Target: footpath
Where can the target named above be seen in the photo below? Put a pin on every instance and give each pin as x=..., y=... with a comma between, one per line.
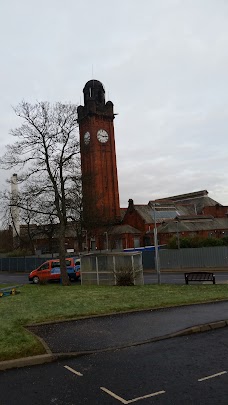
x=101, y=333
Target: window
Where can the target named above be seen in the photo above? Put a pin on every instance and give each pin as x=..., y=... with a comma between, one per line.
x=55, y=264
x=136, y=242
x=44, y=266
x=77, y=262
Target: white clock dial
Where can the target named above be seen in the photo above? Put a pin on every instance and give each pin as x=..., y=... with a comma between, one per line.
x=87, y=138
x=102, y=136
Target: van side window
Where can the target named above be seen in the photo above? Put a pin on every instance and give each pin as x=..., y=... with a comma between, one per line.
x=55, y=264
x=44, y=266
x=68, y=262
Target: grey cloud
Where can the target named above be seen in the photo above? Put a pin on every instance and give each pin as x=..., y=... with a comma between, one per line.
x=164, y=64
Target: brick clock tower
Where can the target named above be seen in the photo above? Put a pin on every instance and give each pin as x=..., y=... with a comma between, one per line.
x=98, y=158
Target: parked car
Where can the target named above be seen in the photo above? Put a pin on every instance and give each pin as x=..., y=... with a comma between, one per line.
x=50, y=270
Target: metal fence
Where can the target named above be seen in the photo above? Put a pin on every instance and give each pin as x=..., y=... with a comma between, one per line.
x=169, y=259
x=188, y=258
x=21, y=264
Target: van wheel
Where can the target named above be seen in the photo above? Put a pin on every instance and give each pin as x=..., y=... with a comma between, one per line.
x=36, y=280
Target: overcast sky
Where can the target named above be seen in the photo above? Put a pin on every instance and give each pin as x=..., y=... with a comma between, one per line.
x=164, y=65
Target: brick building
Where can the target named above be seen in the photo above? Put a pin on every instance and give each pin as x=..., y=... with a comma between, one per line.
x=106, y=225
x=193, y=214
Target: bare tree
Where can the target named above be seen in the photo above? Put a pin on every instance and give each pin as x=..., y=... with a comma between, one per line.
x=31, y=214
x=46, y=156
x=75, y=209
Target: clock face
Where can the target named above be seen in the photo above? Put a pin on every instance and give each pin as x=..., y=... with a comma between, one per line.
x=87, y=138
x=102, y=136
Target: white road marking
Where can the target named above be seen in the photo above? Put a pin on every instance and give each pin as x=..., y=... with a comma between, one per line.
x=124, y=401
x=146, y=396
x=212, y=376
x=73, y=371
x=114, y=395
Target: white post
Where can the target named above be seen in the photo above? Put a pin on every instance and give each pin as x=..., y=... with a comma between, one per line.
x=133, y=267
x=114, y=267
x=178, y=236
x=98, y=281
x=86, y=241
x=106, y=234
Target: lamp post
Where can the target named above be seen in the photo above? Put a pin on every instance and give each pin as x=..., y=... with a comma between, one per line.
x=178, y=236
x=157, y=262
x=86, y=239
x=106, y=234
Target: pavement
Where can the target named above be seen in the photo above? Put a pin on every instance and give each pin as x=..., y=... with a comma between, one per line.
x=102, y=333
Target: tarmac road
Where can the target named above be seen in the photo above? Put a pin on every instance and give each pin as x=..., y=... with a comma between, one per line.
x=114, y=331
x=179, y=371
x=149, y=278
x=15, y=278
x=183, y=370
x=178, y=278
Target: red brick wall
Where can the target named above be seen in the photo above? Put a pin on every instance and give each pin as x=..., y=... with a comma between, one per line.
x=132, y=218
x=99, y=170
x=216, y=211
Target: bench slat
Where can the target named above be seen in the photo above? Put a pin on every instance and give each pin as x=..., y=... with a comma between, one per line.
x=199, y=276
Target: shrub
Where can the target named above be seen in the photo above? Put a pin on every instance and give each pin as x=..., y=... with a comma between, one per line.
x=195, y=242
x=225, y=240
x=213, y=242
x=124, y=277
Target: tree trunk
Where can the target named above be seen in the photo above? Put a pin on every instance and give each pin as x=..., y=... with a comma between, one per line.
x=62, y=256
x=80, y=240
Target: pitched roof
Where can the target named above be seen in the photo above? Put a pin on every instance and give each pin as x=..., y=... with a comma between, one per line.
x=180, y=197
x=191, y=218
x=202, y=224
x=185, y=209
x=162, y=212
x=198, y=200
x=145, y=212
x=122, y=213
x=120, y=229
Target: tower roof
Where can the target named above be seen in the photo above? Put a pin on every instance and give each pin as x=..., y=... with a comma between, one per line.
x=94, y=90
x=93, y=83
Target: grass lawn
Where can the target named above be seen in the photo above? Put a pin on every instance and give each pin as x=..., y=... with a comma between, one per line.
x=38, y=303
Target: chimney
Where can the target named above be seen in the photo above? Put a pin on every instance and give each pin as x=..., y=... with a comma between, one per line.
x=131, y=205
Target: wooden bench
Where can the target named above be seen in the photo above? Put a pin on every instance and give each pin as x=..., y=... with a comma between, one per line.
x=199, y=276
x=11, y=290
